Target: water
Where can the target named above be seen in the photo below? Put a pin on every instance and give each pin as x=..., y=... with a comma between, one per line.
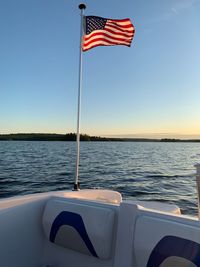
x=142, y=171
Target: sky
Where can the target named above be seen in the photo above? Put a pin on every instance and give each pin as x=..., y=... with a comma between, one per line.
x=151, y=89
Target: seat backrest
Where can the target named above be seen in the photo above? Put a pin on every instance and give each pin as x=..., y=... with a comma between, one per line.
x=166, y=240
x=82, y=227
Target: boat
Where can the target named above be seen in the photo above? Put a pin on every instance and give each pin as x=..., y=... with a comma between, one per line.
x=95, y=228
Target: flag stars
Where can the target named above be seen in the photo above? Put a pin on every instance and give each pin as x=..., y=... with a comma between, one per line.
x=102, y=31
x=94, y=23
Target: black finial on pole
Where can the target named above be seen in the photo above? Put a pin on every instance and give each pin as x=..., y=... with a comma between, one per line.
x=82, y=6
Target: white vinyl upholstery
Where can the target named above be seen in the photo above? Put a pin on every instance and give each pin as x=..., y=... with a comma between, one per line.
x=82, y=227
x=166, y=241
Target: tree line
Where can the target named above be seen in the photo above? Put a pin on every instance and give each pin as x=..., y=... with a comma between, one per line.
x=83, y=137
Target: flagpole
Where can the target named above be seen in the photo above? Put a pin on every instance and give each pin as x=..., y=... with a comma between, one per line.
x=76, y=182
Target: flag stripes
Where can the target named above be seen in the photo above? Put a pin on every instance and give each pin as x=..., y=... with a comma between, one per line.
x=101, y=31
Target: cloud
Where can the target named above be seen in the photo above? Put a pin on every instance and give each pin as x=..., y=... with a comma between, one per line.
x=174, y=10
x=181, y=5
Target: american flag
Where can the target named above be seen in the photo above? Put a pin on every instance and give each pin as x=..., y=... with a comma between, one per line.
x=101, y=31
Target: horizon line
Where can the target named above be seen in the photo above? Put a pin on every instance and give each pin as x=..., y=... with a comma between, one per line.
x=124, y=136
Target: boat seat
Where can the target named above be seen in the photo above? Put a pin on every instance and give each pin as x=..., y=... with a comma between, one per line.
x=83, y=227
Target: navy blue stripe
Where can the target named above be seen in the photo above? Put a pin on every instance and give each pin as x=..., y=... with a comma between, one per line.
x=76, y=221
x=170, y=246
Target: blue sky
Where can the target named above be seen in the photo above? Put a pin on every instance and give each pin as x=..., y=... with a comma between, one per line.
x=151, y=89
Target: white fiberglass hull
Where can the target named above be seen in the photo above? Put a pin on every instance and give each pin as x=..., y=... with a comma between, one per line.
x=95, y=228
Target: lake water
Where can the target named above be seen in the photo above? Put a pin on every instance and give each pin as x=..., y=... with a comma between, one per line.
x=142, y=171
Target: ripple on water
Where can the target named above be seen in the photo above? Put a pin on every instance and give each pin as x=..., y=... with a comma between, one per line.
x=142, y=171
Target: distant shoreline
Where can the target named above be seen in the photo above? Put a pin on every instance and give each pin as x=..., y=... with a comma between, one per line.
x=83, y=137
